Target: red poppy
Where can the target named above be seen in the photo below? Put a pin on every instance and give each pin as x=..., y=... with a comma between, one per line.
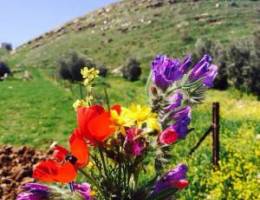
x=95, y=124
x=64, y=164
x=53, y=171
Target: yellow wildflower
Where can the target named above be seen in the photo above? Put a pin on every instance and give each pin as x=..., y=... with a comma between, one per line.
x=79, y=103
x=89, y=99
x=136, y=115
x=89, y=75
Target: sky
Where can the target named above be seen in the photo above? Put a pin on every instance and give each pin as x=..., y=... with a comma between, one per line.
x=22, y=20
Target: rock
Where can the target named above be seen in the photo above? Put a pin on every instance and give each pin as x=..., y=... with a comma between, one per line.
x=27, y=75
x=117, y=71
x=172, y=1
x=233, y=4
x=155, y=3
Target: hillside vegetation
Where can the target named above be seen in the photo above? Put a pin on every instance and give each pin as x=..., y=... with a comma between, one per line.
x=141, y=29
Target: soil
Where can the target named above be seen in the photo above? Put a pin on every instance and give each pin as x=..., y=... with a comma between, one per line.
x=16, y=165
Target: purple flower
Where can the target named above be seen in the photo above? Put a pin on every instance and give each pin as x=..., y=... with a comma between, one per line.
x=210, y=76
x=174, y=101
x=186, y=63
x=166, y=70
x=34, y=191
x=182, y=119
x=83, y=189
x=182, y=115
x=204, y=70
x=175, y=178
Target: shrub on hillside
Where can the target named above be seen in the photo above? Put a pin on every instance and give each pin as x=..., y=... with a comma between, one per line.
x=4, y=70
x=71, y=64
x=243, y=64
x=102, y=70
x=132, y=70
x=239, y=62
x=216, y=50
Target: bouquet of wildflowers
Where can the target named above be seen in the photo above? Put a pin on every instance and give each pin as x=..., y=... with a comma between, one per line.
x=112, y=148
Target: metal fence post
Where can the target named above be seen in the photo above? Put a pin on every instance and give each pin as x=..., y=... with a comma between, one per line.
x=215, y=134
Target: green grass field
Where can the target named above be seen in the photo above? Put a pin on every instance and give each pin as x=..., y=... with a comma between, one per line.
x=39, y=111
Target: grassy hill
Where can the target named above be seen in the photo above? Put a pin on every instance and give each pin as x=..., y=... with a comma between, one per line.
x=141, y=29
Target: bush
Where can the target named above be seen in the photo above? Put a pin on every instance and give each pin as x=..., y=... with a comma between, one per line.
x=6, y=46
x=216, y=50
x=4, y=70
x=132, y=70
x=71, y=64
x=243, y=64
x=239, y=62
x=102, y=70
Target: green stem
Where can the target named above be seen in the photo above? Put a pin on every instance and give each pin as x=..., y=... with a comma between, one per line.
x=107, y=99
x=148, y=82
x=103, y=162
x=80, y=91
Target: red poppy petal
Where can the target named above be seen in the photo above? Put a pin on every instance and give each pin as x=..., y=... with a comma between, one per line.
x=51, y=171
x=59, y=153
x=101, y=127
x=45, y=171
x=79, y=149
x=66, y=173
x=85, y=114
x=117, y=108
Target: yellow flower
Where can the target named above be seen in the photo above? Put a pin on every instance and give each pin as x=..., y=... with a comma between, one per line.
x=79, y=103
x=136, y=115
x=89, y=99
x=89, y=75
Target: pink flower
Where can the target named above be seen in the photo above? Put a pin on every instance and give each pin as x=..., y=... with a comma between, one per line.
x=134, y=143
x=168, y=136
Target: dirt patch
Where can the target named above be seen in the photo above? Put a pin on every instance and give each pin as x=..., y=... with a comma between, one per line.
x=16, y=164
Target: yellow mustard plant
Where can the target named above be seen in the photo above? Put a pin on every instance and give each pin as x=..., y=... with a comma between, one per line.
x=237, y=177
x=79, y=103
x=89, y=75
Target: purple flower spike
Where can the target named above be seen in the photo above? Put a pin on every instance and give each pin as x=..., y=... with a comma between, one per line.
x=166, y=70
x=183, y=114
x=35, y=186
x=204, y=70
x=83, y=189
x=186, y=63
x=34, y=191
x=182, y=119
x=210, y=76
x=175, y=101
x=175, y=178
